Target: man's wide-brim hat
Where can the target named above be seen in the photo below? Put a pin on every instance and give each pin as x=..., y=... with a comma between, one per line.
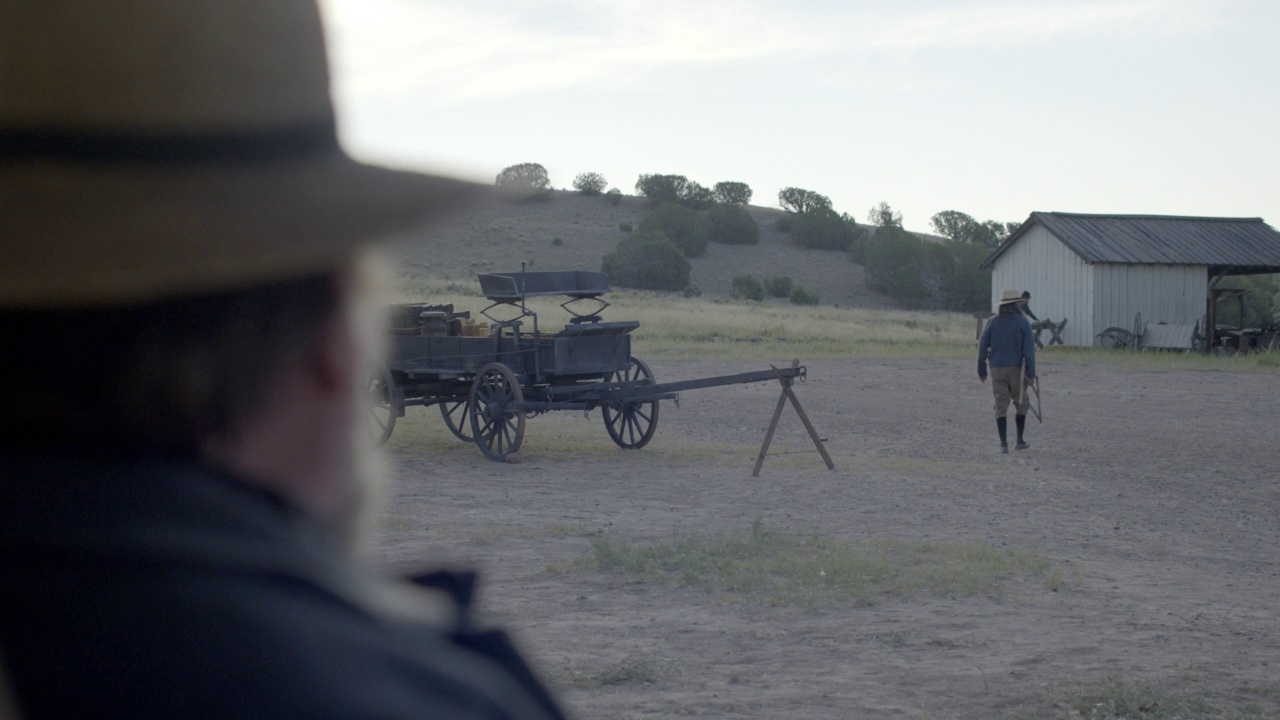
x=1009, y=296
x=152, y=148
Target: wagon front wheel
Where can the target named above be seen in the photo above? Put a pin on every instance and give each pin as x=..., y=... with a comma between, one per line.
x=631, y=423
x=497, y=422
x=382, y=406
x=456, y=414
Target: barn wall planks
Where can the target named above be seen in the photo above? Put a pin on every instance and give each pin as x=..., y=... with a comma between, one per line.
x=1173, y=294
x=1060, y=283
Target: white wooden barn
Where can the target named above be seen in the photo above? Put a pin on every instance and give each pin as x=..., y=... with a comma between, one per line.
x=1100, y=271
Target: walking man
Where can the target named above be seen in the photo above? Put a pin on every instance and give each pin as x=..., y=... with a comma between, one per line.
x=183, y=482
x=1026, y=306
x=1008, y=344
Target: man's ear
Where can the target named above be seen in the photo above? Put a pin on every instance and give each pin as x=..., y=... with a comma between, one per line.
x=334, y=359
x=351, y=339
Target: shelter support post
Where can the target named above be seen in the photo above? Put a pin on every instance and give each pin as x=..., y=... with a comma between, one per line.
x=789, y=395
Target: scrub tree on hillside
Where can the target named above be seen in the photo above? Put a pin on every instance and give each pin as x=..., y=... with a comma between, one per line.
x=674, y=189
x=883, y=216
x=895, y=265
x=732, y=193
x=525, y=181
x=661, y=188
x=648, y=261
x=698, y=197
x=590, y=183
x=962, y=227
x=821, y=228
x=682, y=225
x=916, y=271
x=731, y=224
x=800, y=201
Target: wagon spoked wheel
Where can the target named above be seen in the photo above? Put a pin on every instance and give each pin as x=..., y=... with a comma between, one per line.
x=455, y=414
x=497, y=422
x=631, y=423
x=382, y=409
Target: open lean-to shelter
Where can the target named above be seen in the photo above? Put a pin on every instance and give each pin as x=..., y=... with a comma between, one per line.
x=1102, y=271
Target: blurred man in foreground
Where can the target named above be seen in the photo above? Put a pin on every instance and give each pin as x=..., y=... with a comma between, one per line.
x=182, y=481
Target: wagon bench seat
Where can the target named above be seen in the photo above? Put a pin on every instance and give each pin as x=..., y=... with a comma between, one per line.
x=510, y=287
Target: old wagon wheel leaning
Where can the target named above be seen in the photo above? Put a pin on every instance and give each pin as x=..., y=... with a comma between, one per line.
x=456, y=417
x=382, y=406
x=631, y=423
x=497, y=421
x=1115, y=337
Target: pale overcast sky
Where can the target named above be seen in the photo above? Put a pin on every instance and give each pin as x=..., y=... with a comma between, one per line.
x=992, y=108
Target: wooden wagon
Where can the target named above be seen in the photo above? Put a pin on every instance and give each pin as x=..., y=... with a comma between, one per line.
x=488, y=376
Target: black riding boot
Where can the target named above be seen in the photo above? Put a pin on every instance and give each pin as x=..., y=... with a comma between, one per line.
x=1002, y=427
x=1021, y=422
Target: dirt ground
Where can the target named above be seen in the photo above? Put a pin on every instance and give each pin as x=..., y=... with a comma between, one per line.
x=1160, y=487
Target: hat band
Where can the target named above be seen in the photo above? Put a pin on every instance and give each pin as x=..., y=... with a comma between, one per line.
x=279, y=143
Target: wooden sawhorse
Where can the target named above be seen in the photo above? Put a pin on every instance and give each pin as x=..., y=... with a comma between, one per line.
x=788, y=394
x=1055, y=332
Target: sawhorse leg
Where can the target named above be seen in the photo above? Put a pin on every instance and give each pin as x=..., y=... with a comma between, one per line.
x=789, y=394
x=1056, y=332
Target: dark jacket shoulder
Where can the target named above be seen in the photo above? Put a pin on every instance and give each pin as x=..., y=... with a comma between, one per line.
x=158, y=588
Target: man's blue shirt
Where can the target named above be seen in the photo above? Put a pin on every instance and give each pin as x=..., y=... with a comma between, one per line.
x=1006, y=342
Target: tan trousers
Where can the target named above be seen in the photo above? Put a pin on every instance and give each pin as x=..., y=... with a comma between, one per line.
x=1006, y=384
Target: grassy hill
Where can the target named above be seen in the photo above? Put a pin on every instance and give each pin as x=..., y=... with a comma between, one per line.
x=498, y=237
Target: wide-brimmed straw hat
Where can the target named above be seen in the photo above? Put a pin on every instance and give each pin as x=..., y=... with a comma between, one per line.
x=152, y=148
x=1009, y=296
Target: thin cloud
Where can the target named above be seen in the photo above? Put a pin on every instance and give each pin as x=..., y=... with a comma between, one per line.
x=456, y=53
x=996, y=26
x=461, y=54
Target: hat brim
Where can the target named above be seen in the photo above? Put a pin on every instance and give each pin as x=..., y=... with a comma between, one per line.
x=86, y=234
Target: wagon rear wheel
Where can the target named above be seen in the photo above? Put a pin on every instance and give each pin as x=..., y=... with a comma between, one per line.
x=382, y=406
x=456, y=414
x=497, y=422
x=631, y=423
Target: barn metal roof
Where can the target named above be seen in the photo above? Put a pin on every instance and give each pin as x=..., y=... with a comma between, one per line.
x=1228, y=245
